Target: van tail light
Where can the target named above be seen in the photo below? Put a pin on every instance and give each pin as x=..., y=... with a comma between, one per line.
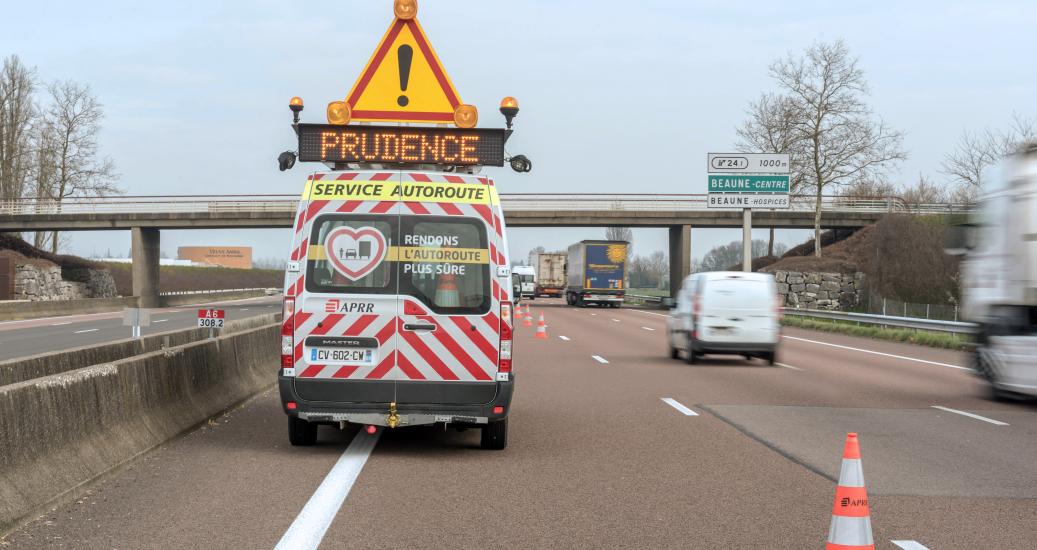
x=505, y=337
x=778, y=311
x=696, y=306
x=288, y=333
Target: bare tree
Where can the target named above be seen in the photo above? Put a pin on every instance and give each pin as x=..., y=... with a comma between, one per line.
x=771, y=128
x=975, y=152
x=68, y=160
x=923, y=192
x=831, y=125
x=17, y=113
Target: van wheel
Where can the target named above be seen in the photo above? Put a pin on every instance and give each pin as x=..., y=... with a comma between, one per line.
x=770, y=358
x=693, y=357
x=301, y=433
x=674, y=352
x=495, y=435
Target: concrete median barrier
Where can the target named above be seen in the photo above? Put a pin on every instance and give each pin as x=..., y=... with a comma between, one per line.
x=59, y=432
x=36, y=366
x=16, y=310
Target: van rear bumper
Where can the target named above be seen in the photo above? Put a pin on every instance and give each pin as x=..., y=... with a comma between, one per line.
x=702, y=346
x=424, y=405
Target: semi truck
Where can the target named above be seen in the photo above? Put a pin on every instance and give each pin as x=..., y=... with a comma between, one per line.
x=595, y=273
x=999, y=277
x=550, y=273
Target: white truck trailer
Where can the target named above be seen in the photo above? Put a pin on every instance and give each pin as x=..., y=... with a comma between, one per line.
x=550, y=273
x=999, y=277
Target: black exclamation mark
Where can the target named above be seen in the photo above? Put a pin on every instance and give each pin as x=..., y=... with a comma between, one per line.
x=404, y=54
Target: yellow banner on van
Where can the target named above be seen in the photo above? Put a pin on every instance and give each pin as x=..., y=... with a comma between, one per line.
x=417, y=254
x=332, y=190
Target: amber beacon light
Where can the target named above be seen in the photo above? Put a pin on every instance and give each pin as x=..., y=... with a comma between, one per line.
x=509, y=108
x=405, y=9
x=295, y=104
x=339, y=113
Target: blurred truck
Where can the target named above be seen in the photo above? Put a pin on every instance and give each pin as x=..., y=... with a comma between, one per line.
x=550, y=273
x=999, y=277
x=595, y=271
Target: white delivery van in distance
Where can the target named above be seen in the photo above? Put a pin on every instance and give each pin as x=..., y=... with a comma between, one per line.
x=397, y=308
x=524, y=277
x=725, y=312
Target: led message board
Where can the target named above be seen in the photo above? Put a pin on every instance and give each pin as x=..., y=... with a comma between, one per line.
x=401, y=145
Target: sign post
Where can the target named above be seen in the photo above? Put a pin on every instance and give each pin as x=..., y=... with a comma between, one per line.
x=747, y=181
x=135, y=318
x=211, y=319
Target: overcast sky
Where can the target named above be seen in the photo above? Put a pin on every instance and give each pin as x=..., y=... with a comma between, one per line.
x=615, y=96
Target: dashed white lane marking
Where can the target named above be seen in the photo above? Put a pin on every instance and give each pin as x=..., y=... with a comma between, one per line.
x=312, y=522
x=909, y=545
x=600, y=359
x=677, y=405
x=87, y=330
x=594, y=314
x=59, y=324
x=566, y=338
x=160, y=320
x=244, y=309
x=616, y=320
x=788, y=366
x=879, y=353
x=971, y=415
x=648, y=328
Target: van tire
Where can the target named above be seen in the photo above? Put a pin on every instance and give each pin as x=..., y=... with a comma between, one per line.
x=674, y=353
x=771, y=358
x=301, y=433
x=495, y=436
x=693, y=357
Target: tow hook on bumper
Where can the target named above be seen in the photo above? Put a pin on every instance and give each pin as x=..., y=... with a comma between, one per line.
x=393, y=419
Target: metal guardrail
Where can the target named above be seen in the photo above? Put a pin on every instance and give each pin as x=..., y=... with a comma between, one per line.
x=646, y=299
x=510, y=201
x=221, y=291
x=955, y=327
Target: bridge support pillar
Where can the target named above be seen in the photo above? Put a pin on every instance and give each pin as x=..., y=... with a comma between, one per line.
x=680, y=256
x=146, y=250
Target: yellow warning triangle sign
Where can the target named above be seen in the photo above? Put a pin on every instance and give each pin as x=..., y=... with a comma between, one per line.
x=404, y=80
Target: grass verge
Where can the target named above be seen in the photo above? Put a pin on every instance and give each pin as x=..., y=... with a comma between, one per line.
x=921, y=337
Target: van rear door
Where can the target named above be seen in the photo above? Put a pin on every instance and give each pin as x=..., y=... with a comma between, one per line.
x=449, y=328
x=737, y=309
x=346, y=315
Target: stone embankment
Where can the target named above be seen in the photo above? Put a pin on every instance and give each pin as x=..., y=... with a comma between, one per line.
x=835, y=291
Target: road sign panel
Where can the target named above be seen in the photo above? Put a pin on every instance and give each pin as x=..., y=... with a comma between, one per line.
x=211, y=318
x=748, y=183
x=747, y=163
x=404, y=80
x=739, y=200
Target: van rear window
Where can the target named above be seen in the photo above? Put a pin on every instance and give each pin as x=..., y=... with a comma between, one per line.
x=736, y=293
x=441, y=260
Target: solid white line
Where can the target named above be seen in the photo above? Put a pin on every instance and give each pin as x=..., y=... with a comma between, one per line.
x=788, y=366
x=909, y=545
x=649, y=312
x=87, y=330
x=648, y=328
x=971, y=415
x=59, y=324
x=880, y=353
x=312, y=522
x=600, y=359
x=566, y=338
x=675, y=404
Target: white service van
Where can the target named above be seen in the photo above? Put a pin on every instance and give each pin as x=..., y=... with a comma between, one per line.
x=525, y=283
x=397, y=308
x=725, y=312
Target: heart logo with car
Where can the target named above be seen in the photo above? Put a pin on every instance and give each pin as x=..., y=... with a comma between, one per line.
x=355, y=252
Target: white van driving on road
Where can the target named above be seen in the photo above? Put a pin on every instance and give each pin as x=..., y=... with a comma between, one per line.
x=725, y=312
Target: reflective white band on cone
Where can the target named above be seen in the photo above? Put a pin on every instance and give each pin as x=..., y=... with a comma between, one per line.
x=851, y=474
x=850, y=532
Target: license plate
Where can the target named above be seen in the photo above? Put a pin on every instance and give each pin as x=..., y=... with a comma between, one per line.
x=363, y=356
x=722, y=331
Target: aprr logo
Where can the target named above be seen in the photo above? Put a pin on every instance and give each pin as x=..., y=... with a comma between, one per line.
x=331, y=306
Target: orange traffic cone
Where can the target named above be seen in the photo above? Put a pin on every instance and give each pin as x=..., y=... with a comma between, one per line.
x=851, y=518
x=528, y=319
x=446, y=291
x=518, y=312
x=541, y=328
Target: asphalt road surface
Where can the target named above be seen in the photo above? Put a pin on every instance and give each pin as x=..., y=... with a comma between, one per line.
x=34, y=336
x=742, y=455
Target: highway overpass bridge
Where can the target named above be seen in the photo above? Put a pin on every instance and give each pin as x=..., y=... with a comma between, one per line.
x=146, y=216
